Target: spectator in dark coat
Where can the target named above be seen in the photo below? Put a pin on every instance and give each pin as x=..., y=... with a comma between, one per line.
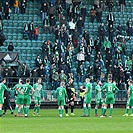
x=99, y=14
x=110, y=4
x=86, y=36
x=75, y=37
x=44, y=10
x=110, y=19
x=101, y=32
x=52, y=22
x=10, y=47
x=92, y=14
x=80, y=25
x=111, y=31
x=83, y=12
x=122, y=5
x=6, y=11
x=115, y=73
x=41, y=71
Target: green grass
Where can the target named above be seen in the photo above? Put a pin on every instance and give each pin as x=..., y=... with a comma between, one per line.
x=50, y=122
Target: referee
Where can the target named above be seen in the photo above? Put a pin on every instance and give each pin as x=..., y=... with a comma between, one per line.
x=71, y=96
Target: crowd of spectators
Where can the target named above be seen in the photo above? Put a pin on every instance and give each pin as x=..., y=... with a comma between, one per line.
x=75, y=52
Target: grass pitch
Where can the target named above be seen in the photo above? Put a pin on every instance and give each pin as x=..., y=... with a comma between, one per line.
x=49, y=122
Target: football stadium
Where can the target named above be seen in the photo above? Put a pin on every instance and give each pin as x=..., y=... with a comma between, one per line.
x=66, y=66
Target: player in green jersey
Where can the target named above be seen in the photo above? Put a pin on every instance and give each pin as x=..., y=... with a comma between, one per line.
x=37, y=96
x=98, y=97
x=19, y=98
x=88, y=96
x=2, y=88
x=61, y=94
x=26, y=89
x=110, y=90
x=130, y=98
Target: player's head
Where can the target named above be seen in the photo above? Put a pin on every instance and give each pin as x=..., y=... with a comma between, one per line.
x=110, y=80
x=39, y=80
x=27, y=80
x=62, y=84
x=70, y=80
x=99, y=82
x=130, y=82
x=3, y=80
x=21, y=81
x=87, y=80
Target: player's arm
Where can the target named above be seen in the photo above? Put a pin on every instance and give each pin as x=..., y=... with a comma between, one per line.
x=128, y=92
x=116, y=89
x=14, y=88
x=86, y=90
x=6, y=88
x=103, y=88
x=66, y=94
x=42, y=93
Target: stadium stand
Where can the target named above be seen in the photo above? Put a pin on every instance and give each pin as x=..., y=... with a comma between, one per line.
x=29, y=49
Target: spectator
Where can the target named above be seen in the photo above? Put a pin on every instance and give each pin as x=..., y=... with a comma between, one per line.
x=80, y=25
x=130, y=31
x=36, y=33
x=16, y=6
x=91, y=43
x=38, y=61
x=6, y=11
x=86, y=36
x=31, y=30
x=111, y=31
x=55, y=79
x=115, y=73
x=129, y=23
x=103, y=4
x=10, y=47
x=101, y=32
x=99, y=14
x=26, y=31
x=60, y=11
x=52, y=22
x=90, y=72
x=62, y=76
x=96, y=3
x=110, y=4
x=46, y=25
x=44, y=48
x=82, y=40
x=1, y=25
x=83, y=12
x=63, y=21
x=119, y=29
x=108, y=59
x=107, y=45
x=51, y=10
x=92, y=14
x=97, y=45
x=80, y=72
x=44, y=10
x=122, y=5
x=75, y=37
x=70, y=12
x=41, y=71
x=23, y=6
x=110, y=19
x=72, y=26
x=1, y=12
x=23, y=70
x=47, y=72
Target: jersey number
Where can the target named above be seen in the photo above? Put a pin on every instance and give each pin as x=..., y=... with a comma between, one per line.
x=110, y=88
x=60, y=92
